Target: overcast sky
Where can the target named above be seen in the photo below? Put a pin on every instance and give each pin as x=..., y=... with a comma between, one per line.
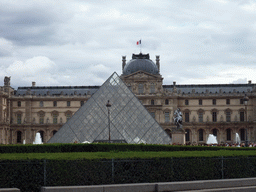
x=76, y=43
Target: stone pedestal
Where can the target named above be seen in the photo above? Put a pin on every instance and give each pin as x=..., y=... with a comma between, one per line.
x=178, y=137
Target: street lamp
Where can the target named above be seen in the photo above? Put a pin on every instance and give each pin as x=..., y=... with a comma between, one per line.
x=246, y=99
x=108, y=106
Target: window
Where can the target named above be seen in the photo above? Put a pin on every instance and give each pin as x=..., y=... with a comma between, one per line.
x=42, y=135
x=214, y=116
x=81, y=103
x=19, y=118
x=214, y=101
x=152, y=88
x=41, y=118
x=201, y=134
x=214, y=132
x=55, y=118
x=54, y=103
x=68, y=103
x=241, y=101
x=141, y=88
x=152, y=102
x=228, y=101
x=68, y=116
x=167, y=117
x=200, y=102
x=228, y=116
x=186, y=102
x=242, y=134
x=19, y=136
x=41, y=103
x=228, y=134
x=187, y=131
x=152, y=114
x=166, y=101
x=19, y=104
x=200, y=116
x=54, y=132
x=241, y=116
x=187, y=117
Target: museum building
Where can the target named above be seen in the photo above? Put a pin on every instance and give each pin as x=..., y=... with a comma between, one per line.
x=223, y=110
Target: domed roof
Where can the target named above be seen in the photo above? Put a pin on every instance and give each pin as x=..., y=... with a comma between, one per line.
x=140, y=62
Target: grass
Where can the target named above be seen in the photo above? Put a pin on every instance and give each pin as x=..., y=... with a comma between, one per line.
x=123, y=155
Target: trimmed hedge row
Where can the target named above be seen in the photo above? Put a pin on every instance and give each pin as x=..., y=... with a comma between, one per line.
x=31, y=175
x=106, y=147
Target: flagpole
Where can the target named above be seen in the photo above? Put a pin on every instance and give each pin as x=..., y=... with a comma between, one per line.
x=140, y=46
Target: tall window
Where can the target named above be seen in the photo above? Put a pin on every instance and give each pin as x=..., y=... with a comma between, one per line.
x=228, y=116
x=81, y=103
x=167, y=117
x=152, y=88
x=166, y=101
x=19, y=118
x=241, y=101
x=19, y=104
x=68, y=116
x=68, y=103
x=242, y=134
x=186, y=116
x=187, y=131
x=241, y=116
x=214, y=101
x=214, y=132
x=228, y=134
x=141, y=88
x=214, y=116
x=55, y=118
x=228, y=101
x=200, y=117
x=201, y=134
x=41, y=103
x=200, y=102
x=152, y=102
x=19, y=136
x=41, y=118
x=186, y=102
x=54, y=103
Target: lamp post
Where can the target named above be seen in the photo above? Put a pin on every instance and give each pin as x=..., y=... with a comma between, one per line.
x=108, y=107
x=246, y=99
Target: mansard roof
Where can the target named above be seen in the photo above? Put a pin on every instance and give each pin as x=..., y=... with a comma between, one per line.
x=212, y=88
x=58, y=90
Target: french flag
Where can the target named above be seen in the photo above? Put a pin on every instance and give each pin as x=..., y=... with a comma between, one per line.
x=139, y=42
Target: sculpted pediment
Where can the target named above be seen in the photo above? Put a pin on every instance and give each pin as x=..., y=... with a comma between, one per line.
x=142, y=75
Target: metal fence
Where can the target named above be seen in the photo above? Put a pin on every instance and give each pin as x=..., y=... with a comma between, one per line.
x=30, y=175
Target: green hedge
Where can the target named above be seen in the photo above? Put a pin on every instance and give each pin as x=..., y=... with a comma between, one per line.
x=105, y=147
x=31, y=175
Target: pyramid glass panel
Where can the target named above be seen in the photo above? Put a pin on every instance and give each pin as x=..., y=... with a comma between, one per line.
x=126, y=120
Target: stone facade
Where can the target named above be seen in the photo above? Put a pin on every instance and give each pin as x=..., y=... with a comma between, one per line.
x=207, y=109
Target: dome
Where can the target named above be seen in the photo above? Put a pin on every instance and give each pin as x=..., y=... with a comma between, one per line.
x=140, y=62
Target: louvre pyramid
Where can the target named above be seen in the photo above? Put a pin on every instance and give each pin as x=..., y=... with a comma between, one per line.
x=130, y=121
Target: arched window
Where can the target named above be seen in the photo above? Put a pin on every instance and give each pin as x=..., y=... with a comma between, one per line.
x=152, y=102
x=214, y=132
x=242, y=134
x=201, y=134
x=53, y=132
x=19, y=136
x=42, y=135
x=228, y=134
x=166, y=101
x=187, y=135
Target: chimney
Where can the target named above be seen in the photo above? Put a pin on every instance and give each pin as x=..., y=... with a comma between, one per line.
x=158, y=63
x=33, y=83
x=249, y=82
x=124, y=63
x=174, y=83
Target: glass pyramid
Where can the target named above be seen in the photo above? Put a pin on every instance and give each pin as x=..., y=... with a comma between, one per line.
x=128, y=121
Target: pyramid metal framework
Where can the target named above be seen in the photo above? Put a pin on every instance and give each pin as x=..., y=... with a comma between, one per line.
x=130, y=121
